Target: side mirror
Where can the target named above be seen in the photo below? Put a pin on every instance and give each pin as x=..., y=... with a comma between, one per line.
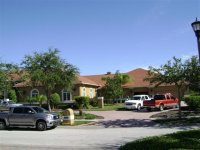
x=30, y=112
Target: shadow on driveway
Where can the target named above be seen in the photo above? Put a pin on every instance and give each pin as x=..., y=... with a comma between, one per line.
x=127, y=123
x=140, y=123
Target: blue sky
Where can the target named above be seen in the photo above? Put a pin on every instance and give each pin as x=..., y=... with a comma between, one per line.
x=99, y=36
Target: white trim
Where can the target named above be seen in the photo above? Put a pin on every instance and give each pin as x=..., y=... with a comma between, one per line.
x=66, y=92
x=34, y=90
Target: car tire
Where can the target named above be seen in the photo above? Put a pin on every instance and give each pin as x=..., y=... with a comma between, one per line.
x=41, y=126
x=161, y=107
x=148, y=109
x=139, y=107
x=2, y=125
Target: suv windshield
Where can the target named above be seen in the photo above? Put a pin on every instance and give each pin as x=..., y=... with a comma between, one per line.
x=136, y=97
x=40, y=110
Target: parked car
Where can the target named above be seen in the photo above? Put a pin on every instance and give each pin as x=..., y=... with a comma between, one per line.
x=136, y=102
x=7, y=104
x=162, y=101
x=29, y=116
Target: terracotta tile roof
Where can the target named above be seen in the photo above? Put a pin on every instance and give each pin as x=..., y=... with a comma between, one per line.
x=79, y=80
x=22, y=84
x=98, y=78
x=84, y=80
x=137, y=78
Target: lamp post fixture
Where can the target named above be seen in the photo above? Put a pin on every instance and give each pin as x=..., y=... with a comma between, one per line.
x=196, y=28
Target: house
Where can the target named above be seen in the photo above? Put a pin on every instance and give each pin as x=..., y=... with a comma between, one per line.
x=137, y=85
x=92, y=86
x=82, y=87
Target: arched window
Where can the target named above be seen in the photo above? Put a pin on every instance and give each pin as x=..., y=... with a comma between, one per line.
x=34, y=93
x=84, y=91
x=91, y=93
x=66, y=96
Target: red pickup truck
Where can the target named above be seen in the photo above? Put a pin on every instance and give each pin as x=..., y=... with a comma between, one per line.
x=161, y=101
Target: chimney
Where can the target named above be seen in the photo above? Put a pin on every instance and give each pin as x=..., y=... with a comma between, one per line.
x=108, y=73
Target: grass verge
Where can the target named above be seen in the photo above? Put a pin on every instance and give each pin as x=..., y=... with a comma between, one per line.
x=76, y=123
x=179, y=140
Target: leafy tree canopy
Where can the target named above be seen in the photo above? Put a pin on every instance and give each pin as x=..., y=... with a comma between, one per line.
x=50, y=71
x=6, y=78
x=181, y=74
x=113, y=86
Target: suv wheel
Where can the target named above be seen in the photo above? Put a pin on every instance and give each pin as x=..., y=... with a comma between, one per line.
x=161, y=107
x=41, y=126
x=139, y=107
x=148, y=109
x=2, y=125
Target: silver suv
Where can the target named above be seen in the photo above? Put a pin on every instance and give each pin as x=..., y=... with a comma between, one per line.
x=29, y=116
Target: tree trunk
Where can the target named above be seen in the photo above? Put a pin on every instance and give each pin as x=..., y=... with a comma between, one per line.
x=48, y=100
x=80, y=112
x=179, y=102
x=48, y=104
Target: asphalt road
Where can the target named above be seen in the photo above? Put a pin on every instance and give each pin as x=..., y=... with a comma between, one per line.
x=77, y=138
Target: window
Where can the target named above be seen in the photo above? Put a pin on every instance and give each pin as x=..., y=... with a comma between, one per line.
x=28, y=111
x=84, y=91
x=18, y=110
x=66, y=96
x=34, y=93
x=159, y=97
x=168, y=97
x=40, y=110
x=91, y=93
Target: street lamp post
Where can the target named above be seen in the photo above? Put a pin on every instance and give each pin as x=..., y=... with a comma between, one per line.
x=196, y=28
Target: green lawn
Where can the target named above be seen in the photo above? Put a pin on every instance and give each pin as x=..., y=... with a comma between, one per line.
x=179, y=140
x=107, y=107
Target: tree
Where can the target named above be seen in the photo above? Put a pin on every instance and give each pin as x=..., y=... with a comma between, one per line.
x=50, y=71
x=113, y=87
x=173, y=73
x=55, y=99
x=6, y=78
x=193, y=74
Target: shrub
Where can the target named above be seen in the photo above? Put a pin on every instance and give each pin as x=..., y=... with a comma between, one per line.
x=94, y=102
x=12, y=95
x=41, y=99
x=55, y=99
x=193, y=102
x=82, y=101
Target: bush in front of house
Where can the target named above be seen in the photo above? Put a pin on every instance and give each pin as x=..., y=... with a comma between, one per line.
x=193, y=102
x=12, y=95
x=82, y=102
x=94, y=102
x=55, y=99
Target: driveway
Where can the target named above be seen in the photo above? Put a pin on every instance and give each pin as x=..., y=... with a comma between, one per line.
x=132, y=118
